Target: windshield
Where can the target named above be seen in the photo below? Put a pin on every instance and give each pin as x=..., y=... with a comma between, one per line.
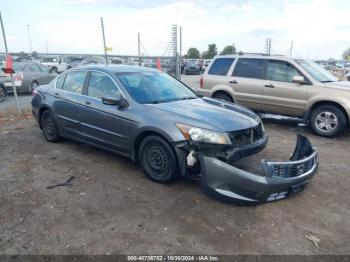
x=154, y=87
x=316, y=71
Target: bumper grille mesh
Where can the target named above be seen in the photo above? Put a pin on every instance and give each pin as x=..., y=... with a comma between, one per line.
x=246, y=136
x=292, y=170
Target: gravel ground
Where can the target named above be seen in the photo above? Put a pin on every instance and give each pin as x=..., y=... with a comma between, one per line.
x=113, y=208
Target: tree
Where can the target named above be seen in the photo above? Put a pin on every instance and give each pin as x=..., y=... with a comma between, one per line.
x=228, y=50
x=211, y=52
x=346, y=54
x=192, y=53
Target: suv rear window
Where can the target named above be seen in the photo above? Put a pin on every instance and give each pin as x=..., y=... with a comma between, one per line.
x=220, y=66
x=249, y=68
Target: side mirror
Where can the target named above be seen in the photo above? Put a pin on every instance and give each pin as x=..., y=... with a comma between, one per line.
x=298, y=79
x=116, y=100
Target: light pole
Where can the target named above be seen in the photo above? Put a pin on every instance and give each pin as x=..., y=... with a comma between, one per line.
x=29, y=39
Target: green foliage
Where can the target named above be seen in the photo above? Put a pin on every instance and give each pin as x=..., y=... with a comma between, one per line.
x=192, y=53
x=346, y=54
x=230, y=49
x=211, y=52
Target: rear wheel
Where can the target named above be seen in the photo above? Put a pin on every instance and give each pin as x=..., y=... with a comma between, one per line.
x=49, y=127
x=223, y=96
x=328, y=121
x=33, y=85
x=2, y=94
x=158, y=160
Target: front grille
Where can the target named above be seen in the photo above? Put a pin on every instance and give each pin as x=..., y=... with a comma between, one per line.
x=246, y=136
x=289, y=170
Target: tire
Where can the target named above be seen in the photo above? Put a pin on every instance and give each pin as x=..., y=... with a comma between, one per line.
x=328, y=121
x=54, y=70
x=33, y=85
x=3, y=93
x=158, y=160
x=49, y=127
x=223, y=96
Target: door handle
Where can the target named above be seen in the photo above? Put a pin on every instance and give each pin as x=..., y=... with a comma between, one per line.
x=233, y=82
x=270, y=86
x=87, y=102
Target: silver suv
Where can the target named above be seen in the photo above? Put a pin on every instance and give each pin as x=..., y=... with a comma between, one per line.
x=281, y=85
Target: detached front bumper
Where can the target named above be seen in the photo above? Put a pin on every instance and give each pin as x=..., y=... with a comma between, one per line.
x=228, y=183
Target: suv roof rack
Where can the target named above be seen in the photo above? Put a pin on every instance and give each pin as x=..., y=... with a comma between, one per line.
x=262, y=54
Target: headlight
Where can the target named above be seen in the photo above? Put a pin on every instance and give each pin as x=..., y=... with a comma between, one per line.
x=203, y=135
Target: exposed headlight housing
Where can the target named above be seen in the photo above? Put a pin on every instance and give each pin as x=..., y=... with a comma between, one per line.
x=203, y=135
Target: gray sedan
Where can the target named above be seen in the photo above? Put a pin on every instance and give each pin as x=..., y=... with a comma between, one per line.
x=27, y=77
x=164, y=126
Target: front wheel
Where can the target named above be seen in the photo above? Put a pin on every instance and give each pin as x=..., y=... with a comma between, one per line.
x=328, y=121
x=49, y=127
x=158, y=160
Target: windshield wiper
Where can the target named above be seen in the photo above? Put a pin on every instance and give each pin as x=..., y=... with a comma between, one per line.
x=328, y=81
x=188, y=97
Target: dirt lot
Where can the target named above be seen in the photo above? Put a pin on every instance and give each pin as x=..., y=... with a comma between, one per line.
x=112, y=208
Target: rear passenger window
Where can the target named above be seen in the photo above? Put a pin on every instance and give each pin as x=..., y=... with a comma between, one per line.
x=60, y=81
x=249, y=68
x=74, y=82
x=220, y=66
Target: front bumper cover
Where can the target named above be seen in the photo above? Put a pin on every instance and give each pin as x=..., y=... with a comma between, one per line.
x=228, y=183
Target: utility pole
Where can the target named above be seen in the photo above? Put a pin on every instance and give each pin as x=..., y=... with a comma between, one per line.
x=12, y=79
x=29, y=39
x=139, y=47
x=180, y=55
x=291, y=49
x=104, y=41
x=174, y=47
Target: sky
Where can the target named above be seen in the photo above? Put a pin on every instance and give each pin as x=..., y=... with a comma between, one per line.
x=319, y=29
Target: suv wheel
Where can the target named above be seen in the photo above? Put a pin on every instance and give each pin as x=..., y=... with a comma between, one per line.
x=49, y=127
x=328, y=121
x=223, y=96
x=158, y=160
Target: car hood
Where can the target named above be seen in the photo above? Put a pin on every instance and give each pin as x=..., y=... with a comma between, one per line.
x=343, y=85
x=209, y=113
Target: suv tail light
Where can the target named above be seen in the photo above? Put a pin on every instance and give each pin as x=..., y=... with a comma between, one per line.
x=201, y=82
x=18, y=76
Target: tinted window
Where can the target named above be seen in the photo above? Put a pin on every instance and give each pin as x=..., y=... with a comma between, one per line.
x=32, y=68
x=60, y=81
x=249, y=68
x=100, y=85
x=281, y=71
x=220, y=66
x=74, y=82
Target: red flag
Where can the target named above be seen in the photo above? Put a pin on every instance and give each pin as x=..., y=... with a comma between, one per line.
x=158, y=64
x=8, y=68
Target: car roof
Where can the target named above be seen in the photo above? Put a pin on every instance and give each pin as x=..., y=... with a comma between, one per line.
x=119, y=68
x=256, y=55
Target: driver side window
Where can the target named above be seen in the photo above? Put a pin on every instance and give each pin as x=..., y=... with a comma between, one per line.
x=281, y=71
x=100, y=85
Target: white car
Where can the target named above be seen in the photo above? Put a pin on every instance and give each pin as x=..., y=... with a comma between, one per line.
x=56, y=64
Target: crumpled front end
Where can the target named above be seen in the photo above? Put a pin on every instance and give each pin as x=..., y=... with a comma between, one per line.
x=228, y=183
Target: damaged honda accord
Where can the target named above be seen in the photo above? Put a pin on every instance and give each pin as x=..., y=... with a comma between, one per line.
x=164, y=126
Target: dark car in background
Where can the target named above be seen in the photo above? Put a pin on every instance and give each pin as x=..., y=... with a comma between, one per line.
x=27, y=76
x=164, y=126
x=192, y=68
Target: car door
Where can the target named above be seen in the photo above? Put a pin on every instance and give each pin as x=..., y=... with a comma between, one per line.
x=247, y=82
x=217, y=73
x=105, y=125
x=45, y=75
x=281, y=95
x=39, y=74
x=69, y=102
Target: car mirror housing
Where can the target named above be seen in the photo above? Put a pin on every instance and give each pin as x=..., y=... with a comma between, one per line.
x=298, y=79
x=117, y=100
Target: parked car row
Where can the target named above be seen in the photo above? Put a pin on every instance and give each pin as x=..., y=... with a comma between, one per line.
x=281, y=85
